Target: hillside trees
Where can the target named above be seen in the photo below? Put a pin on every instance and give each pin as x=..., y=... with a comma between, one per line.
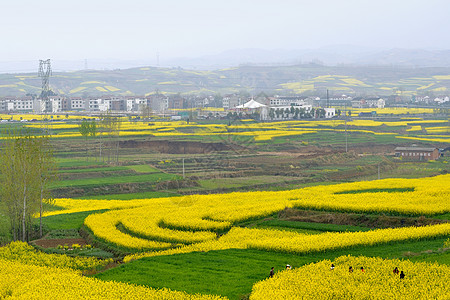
x=27, y=167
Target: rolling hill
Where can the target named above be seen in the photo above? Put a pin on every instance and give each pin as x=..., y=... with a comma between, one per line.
x=306, y=79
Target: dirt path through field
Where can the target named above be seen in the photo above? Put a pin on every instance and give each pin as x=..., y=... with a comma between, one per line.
x=53, y=243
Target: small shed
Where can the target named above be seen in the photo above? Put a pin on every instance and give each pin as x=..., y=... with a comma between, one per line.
x=417, y=153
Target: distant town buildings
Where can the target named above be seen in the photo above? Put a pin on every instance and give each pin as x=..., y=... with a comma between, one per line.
x=441, y=100
x=361, y=102
x=276, y=107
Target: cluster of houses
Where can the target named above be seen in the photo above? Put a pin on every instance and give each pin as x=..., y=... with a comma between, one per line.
x=159, y=103
x=431, y=100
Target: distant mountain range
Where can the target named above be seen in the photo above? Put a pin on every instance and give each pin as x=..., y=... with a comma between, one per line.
x=330, y=56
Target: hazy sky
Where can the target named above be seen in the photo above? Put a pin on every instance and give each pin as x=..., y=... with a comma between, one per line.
x=134, y=29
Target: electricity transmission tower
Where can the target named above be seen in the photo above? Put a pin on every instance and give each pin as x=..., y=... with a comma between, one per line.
x=45, y=70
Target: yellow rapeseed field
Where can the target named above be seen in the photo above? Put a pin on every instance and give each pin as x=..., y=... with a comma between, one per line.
x=256, y=131
x=22, y=281
x=292, y=242
x=23, y=253
x=378, y=281
x=193, y=220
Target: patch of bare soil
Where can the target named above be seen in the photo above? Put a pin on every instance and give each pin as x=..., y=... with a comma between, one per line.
x=309, y=151
x=179, y=147
x=371, y=221
x=54, y=243
x=374, y=149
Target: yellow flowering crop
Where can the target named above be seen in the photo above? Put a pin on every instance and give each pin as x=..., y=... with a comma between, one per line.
x=194, y=216
x=444, y=129
x=292, y=242
x=20, y=281
x=166, y=222
x=26, y=254
x=394, y=110
x=258, y=131
x=431, y=139
x=429, y=196
x=18, y=117
x=378, y=281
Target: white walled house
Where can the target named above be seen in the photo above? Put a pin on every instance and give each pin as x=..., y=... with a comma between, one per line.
x=368, y=102
x=99, y=104
x=78, y=104
x=55, y=105
x=441, y=100
x=330, y=112
x=286, y=101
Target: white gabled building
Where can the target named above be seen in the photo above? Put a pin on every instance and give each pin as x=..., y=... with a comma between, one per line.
x=330, y=112
x=441, y=100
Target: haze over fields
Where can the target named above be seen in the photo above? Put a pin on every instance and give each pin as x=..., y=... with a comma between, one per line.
x=202, y=34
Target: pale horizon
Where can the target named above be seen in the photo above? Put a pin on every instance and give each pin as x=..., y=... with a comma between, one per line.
x=139, y=30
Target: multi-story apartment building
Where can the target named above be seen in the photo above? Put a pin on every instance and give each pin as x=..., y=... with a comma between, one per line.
x=77, y=104
x=158, y=103
x=361, y=102
x=287, y=101
x=17, y=104
x=231, y=101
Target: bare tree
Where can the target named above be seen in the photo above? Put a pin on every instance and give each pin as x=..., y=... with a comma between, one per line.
x=46, y=173
x=26, y=164
x=111, y=127
x=83, y=128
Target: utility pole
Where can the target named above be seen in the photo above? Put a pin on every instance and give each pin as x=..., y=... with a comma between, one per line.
x=345, y=116
x=183, y=169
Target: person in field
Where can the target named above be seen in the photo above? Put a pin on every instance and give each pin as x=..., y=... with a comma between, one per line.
x=350, y=269
x=271, y=272
x=396, y=271
x=402, y=275
x=362, y=270
x=288, y=267
x=332, y=267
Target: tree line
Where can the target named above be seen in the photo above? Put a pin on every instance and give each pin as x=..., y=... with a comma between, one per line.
x=27, y=167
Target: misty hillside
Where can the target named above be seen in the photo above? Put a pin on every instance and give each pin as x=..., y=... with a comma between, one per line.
x=331, y=56
x=306, y=79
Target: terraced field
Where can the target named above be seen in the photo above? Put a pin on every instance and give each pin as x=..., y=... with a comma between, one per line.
x=299, y=79
x=209, y=221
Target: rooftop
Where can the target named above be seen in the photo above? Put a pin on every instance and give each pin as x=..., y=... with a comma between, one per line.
x=415, y=149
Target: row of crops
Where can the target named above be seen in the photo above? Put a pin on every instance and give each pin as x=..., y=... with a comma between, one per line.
x=417, y=129
x=202, y=223
x=170, y=222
